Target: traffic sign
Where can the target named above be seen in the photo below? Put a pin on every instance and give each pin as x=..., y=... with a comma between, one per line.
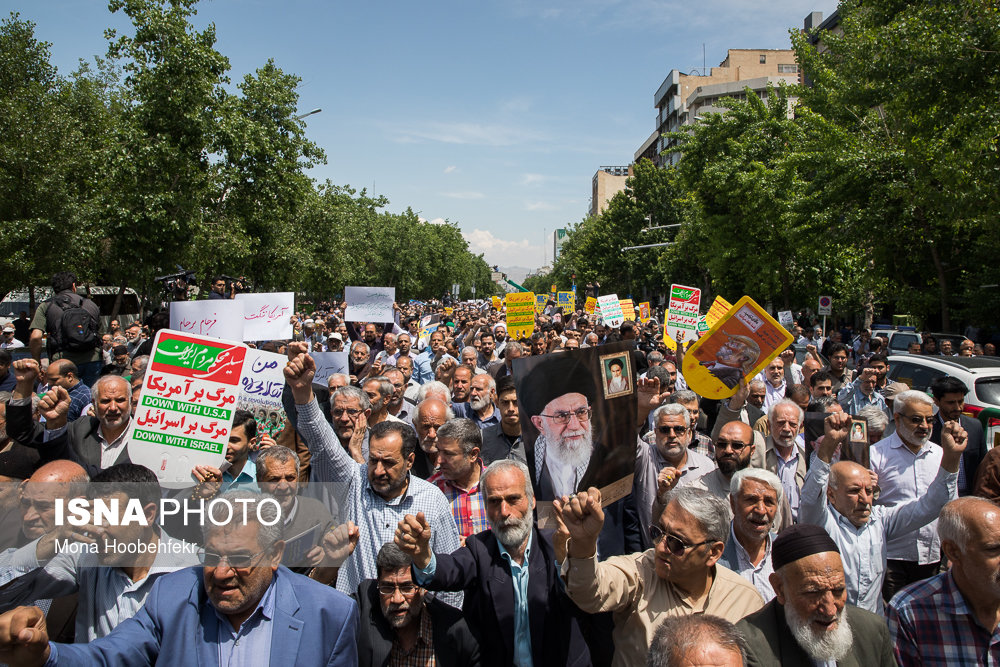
x=825, y=305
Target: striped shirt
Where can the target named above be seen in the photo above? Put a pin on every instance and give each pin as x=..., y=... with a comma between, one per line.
x=932, y=624
x=467, y=506
x=107, y=596
x=375, y=516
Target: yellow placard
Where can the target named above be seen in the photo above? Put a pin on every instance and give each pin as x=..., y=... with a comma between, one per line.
x=497, y=303
x=520, y=314
x=628, y=309
x=449, y=311
x=719, y=308
x=740, y=345
x=644, y=311
x=589, y=305
x=567, y=300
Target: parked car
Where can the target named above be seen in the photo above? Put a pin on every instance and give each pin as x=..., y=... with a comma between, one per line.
x=899, y=339
x=980, y=374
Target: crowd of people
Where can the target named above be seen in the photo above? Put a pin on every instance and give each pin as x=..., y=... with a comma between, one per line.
x=820, y=515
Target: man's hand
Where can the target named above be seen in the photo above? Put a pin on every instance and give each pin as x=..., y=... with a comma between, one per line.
x=583, y=517
x=358, y=439
x=666, y=481
x=739, y=399
x=338, y=543
x=377, y=368
x=54, y=406
x=265, y=441
x=649, y=396
x=788, y=357
x=26, y=372
x=209, y=482
x=299, y=373
x=295, y=348
x=24, y=639
x=413, y=536
x=954, y=439
x=836, y=429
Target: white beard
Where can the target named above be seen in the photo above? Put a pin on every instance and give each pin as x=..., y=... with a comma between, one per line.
x=831, y=645
x=573, y=453
x=480, y=404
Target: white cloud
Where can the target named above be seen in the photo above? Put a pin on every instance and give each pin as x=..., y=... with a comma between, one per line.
x=478, y=134
x=435, y=221
x=533, y=179
x=500, y=251
x=540, y=206
x=463, y=195
x=450, y=168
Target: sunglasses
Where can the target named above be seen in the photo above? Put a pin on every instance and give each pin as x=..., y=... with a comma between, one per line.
x=389, y=589
x=735, y=446
x=667, y=430
x=235, y=561
x=675, y=545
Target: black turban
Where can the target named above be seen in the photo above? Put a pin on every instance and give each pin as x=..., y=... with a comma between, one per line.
x=799, y=541
x=557, y=374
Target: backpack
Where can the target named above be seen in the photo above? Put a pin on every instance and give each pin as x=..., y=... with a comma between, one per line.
x=72, y=326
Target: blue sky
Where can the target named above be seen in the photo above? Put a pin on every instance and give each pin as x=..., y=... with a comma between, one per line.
x=491, y=114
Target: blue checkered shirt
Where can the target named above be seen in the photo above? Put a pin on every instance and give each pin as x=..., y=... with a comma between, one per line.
x=375, y=517
x=932, y=624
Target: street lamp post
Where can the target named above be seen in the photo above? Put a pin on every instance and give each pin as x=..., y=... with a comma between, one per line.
x=308, y=113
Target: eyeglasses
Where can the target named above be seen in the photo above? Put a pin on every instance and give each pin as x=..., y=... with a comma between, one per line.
x=735, y=446
x=339, y=412
x=388, y=589
x=235, y=561
x=562, y=418
x=675, y=545
x=917, y=420
x=667, y=430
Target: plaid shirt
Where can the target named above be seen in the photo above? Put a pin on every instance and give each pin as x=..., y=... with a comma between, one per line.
x=468, y=507
x=932, y=624
x=422, y=653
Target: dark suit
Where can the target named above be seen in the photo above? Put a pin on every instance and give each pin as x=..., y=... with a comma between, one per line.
x=484, y=575
x=80, y=442
x=975, y=450
x=770, y=641
x=454, y=644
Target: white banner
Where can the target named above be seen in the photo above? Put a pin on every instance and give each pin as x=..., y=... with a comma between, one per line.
x=218, y=318
x=611, y=310
x=369, y=304
x=267, y=316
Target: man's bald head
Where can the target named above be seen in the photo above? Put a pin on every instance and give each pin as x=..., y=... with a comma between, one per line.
x=737, y=429
x=60, y=471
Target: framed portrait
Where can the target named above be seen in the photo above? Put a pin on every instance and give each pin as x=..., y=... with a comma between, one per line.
x=616, y=375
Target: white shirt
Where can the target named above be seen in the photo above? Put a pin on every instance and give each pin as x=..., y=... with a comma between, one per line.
x=903, y=476
x=110, y=450
x=758, y=575
x=772, y=394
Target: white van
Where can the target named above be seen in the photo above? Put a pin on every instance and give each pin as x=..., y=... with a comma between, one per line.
x=104, y=296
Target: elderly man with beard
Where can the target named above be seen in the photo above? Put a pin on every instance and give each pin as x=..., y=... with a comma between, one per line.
x=401, y=624
x=379, y=391
x=95, y=443
x=482, y=394
x=663, y=460
x=677, y=577
x=839, y=498
x=514, y=602
x=429, y=415
x=906, y=464
x=783, y=454
x=809, y=622
x=755, y=496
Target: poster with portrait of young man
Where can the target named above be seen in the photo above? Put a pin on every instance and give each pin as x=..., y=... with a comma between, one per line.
x=576, y=432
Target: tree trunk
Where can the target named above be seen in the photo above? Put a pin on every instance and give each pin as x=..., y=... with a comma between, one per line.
x=869, y=302
x=118, y=301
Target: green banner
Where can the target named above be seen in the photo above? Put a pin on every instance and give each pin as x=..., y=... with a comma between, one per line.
x=186, y=354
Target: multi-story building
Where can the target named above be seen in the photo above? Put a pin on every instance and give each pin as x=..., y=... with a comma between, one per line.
x=740, y=67
x=607, y=182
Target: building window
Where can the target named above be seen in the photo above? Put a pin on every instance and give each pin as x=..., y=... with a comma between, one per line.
x=788, y=69
x=763, y=59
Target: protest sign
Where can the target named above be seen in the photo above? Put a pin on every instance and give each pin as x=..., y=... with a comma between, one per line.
x=786, y=319
x=590, y=305
x=628, y=309
x=267, y=316
x=740, y=345
x=497, y=304
x=702, y=326
x=218, y=318
x=644, y=311
x=520, y=314
x=611, y=310
x=601, y=379
x=540, y=301
x=682, y=312
x=186, y=406
x=719, y=308
x=369, y=304
x=260, y=390
x=329, y=363
x=568, y=301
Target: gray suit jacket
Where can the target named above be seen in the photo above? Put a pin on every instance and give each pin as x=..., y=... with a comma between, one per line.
x=771, y=643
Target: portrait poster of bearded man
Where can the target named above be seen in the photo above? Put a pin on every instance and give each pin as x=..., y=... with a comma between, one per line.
x=575, y=436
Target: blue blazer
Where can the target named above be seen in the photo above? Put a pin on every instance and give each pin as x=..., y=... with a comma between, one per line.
x=313, y=625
